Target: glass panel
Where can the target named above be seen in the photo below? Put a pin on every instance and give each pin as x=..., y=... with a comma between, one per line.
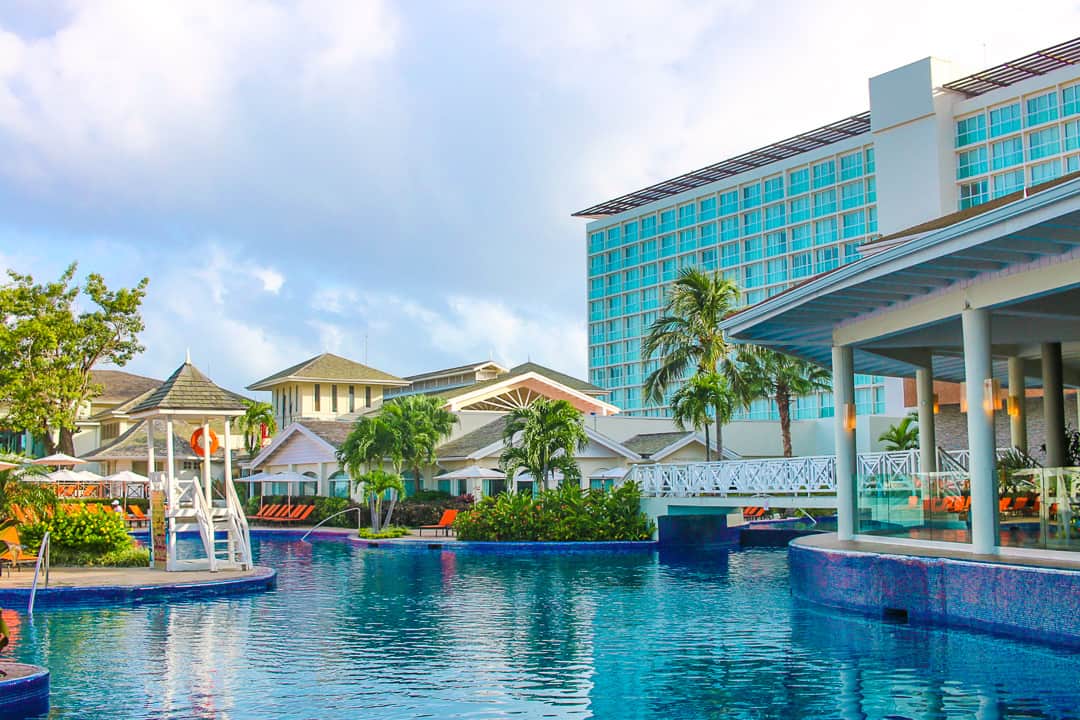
x=921, y=506
x=1040, y=508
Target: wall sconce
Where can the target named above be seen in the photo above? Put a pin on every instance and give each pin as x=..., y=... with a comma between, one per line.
x=1014, y=406
x=991, y=395
x=963, y=397
x=937, y=405
x=849, y=416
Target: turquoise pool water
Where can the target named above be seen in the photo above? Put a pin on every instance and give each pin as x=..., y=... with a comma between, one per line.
x=387, y=633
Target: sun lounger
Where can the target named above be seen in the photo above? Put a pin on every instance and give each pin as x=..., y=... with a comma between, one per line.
x=15, y=553
x=445, y=523
x=291, y=512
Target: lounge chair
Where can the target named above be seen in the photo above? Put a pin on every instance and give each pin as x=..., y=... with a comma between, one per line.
x=136, y=516
x=445, y=523
x=293, y=513
x=15, y=553
x=267, y=511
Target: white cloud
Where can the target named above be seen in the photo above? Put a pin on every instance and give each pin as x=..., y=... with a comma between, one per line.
x=271, y=279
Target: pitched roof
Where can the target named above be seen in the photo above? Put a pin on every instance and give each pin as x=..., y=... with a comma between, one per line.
x=647, y=444
x=123, y=408
x=332, y=431
x=453, y=370
x=117, y=385
x=328, y=367
x=189, y=389
x=525, y=368
x=131, y=445
x=470, y=442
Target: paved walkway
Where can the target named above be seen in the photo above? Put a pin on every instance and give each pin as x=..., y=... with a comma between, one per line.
x=121, y=577
x=414, y=534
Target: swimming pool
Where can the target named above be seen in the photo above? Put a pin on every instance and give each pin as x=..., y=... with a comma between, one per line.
x=402, y=633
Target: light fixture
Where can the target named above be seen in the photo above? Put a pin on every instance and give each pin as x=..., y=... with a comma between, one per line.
x=991, y=395
x=1014, y=406
x=963, y=397
x=849, y=416
x=937, y=405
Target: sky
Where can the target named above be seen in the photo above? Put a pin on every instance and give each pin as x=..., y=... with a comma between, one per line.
x=394, y=182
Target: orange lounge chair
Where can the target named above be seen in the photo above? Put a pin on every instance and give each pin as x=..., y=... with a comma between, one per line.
x=14, y=553
x=758, y=512
x=138, y=514
x=445, y=523
x=1021, y=503
x=267, y=511
x=1005, y=504
x=292, y=515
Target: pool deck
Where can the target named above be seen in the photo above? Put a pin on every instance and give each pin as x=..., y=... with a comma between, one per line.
x=80, y=577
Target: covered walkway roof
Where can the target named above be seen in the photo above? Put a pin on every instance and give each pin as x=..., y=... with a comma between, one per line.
x=1018, y=256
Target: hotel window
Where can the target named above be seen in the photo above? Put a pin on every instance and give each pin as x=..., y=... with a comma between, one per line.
x=729, y=202
x=801, y=238
x=648, y=250
x=824, y=174
x=687, y=216
x=629, y=255
x=799, y=209
x=970, y=130
x=1004, y=120
x=851, y=195
x=827, y=259
x=667, y=221
x=596, y=287
x=708, y=259
x=851, y=252
x=751, y=222
x=1072, y=135
x=649, y=298
x=972, y=162
x=775, y=244
x=596, y=242
x=596, y=265
x=776, y=289
x=318, y=400
x=729, y=228
x=687, y=240
x=613, y=260
x=729, y=254
x=825, y=231
x=614, y=284
x=333, y=398
x=630, y=302
x=774, y=216
x=1043, y=143
x=1009, y=182
x=1070, y=100
x=753, y=275
x=1041, y=109
x=648, y=226
x=853, y=224
x=630, y=279
x=732, y=275
x=972, y=194
x=774, y=188
x=667, y=246
x=798, y=181
x=629, y=231
x=851, y=166
x=707, y=209
x=776, y=271
x=367, y=396
x=596, y=312
x=752, y=298
x=870, y=167
x=752, y=249
x=612, y=238
x=596, y=333
x=1006, y=153
x=614, y=306
x=648, y=274
x=871, y=190
x=668, y=271
x=751, y=196
x=824, y=202
x=1045, y=172
x=708, y=234
x=352, y=390
x=1072, y=164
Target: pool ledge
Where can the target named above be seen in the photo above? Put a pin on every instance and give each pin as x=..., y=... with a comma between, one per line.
x=1030, y=602
x=436, y=543
x=24, y=690
x=127, y=586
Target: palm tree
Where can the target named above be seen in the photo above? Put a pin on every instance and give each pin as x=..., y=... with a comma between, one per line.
x=700, y=399
x=549, y=433
x=687, y=337
x=252, y=421
x=769, y=374
x=420, y=423
x=377, y=484
x=368, y=445
x=904, y=435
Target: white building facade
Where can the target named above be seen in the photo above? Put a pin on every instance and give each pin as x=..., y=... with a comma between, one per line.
x=935, y=140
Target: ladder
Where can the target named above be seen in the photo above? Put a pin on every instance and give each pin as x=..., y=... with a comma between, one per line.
x=222, y=527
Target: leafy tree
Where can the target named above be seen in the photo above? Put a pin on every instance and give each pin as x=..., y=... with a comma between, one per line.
x=904, y=435
x=769, y=374
x=420, y=423
x=371, y=442
x=700, y=399
x=251, y=422
x=687, y=338
x=377, y=485
x=547, y=433
x=48, y=348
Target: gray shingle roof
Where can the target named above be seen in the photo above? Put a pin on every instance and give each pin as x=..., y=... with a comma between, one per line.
x=189, y=389
x=331, y=431
x=328, y=367
x=117, y=385
x=470, y=442
x=450, y=371
x=647, y=444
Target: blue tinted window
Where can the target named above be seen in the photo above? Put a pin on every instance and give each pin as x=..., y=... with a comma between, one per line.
x=753, y=275
x=752, y=249
x=596, y=242
x=851, y=195
x=871, y=190
x=971, y=162
x=1006, y=153
x=751, y=196
x=708, y=234
x=729, y=254
x=824, y=202
x=970, y=130
x=776, y=271
x=1072, y=135
x=869, y=160
x=667, y=245
x=1008, y=182
x=825, y=231
x=729, y=228
x=648, y=226
x=648, y=274
x=687, y=215
x=851, y=252
x=798, y=181
x=775, y=243
x=774, y=216
x=707, y=209
x=851, y=166
x=1043, y=143
x=799, y=209
x=612, y=238
x=824, y=174
x=751, y=222
x=972, y=194
x=1045, y=172
x=774, y=188
x=667, y=220
x=687, y=240
x=668, y=271
x=1070, y=101
x=1042, y=108
x=801, y=265
x=1004, y=120
x=729, y=202
x=801, y=238
x=853, y=224
x=871, y=219
x=827, y=259
x=708, y=259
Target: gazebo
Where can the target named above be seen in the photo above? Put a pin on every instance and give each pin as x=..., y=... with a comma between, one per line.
x=191, y=396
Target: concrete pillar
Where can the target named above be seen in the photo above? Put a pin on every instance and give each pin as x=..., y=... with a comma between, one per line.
x=980, y=422
x=843, y=383
x=1018, y=422
x=924, y=391
x=1053, y=404
x=207, y=481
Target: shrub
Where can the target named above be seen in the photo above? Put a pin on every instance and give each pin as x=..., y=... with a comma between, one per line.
x=84, y=538
x=565, y=514
x=392, y=531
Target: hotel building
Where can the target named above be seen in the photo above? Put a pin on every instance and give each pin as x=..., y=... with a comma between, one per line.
x=936, y=139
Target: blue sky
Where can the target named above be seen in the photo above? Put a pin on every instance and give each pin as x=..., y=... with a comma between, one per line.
x=305, y=176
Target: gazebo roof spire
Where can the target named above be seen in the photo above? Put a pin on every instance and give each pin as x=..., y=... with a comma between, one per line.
x=189, y=390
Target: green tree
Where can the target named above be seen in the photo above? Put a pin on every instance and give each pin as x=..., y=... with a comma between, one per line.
x=251, y=422
x=541, y=439
x=904, y=435
x=687, y=339
x=48, y=348
x=704, y=398
x=420, y=423
x=782, y=378
x=371, y=442
x=378, y=485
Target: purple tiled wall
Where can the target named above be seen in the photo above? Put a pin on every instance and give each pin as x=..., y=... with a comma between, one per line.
x=1032, y=603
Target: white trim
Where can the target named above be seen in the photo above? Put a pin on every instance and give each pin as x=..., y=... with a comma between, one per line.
x=455, y=402
x=337, y=381
x=277, y=442
x=593, y=435
x=679, y=445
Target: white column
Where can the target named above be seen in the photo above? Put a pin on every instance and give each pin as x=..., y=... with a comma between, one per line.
x=980, y=422
x=1053, y=404
x=150, y=447
x=924, y=391
x=843, y=382
x=1018, y=422
x=170, y=453
x=170, y=478
x=206, y=464
x=227, y=444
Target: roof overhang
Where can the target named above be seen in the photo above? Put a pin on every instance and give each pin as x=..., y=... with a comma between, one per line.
x=294, y=428
x=270, y=384
x=537, y=383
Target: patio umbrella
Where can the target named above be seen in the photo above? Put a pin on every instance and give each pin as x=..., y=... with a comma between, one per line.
x=524, y=476
x=126, y=477
x=285, y=477
x=473, y=472
x=616, y=473
x=59, y=460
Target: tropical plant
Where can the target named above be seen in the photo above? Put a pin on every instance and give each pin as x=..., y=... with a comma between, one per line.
x=379, y=485
x=371, y=442
x=541, y=438
x=257, y=415
x=419, y=423
x=904, y=435
x=48, y=348
x=687, y=338
x=15, y=490
x=84, y=538
x=781, y=378
x=701, y=399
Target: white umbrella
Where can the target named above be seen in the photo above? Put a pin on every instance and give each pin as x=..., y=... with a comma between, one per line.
x=60, y=476
x=59, y=460
x=88, y=476
x=125, y=478
x=616, y=473
x=473, y=472
x=285, y=477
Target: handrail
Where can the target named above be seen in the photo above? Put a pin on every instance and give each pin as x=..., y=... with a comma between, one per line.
x=43, y=554
x=331, y=517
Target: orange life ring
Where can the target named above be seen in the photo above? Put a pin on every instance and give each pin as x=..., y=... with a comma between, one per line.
x=196, y=442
